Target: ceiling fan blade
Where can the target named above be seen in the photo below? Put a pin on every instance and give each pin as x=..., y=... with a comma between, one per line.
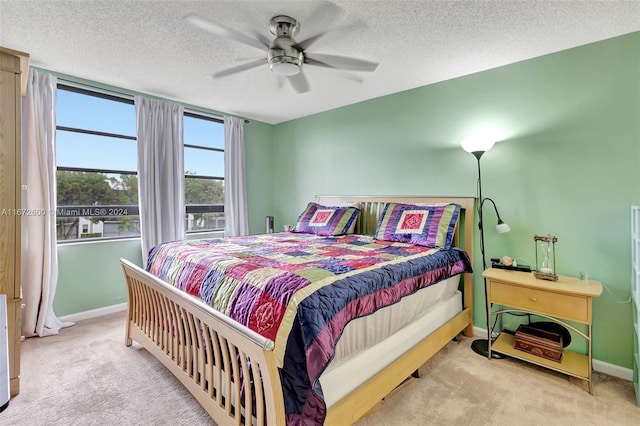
x=324, y=15
x=299, y=83
x=261, y=38
x=224, y=31
x=309, y=41
x=240, y=68
x=340, y=62
x=336, y=71
x=305, y=44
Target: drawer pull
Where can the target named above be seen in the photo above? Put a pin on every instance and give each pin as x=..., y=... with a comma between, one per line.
x=533, y=299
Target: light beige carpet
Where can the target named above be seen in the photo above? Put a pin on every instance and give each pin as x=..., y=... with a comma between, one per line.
x=86, y=376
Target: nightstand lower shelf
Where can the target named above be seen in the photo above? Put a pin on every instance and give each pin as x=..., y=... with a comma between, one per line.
x=573, y=363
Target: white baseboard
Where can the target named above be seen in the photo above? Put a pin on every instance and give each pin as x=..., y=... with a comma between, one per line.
x=612, y=370
x=600, y=366
x=479, y=332
x=80, y=316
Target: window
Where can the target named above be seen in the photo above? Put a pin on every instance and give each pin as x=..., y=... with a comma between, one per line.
x=204, y=172
x=96, y=156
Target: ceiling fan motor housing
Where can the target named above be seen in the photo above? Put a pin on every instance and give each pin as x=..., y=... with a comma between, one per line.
x=284, y=57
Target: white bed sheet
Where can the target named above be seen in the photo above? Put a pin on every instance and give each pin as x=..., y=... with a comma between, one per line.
x=371, y=343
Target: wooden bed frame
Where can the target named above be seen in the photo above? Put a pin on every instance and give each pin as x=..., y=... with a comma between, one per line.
x=186, y=336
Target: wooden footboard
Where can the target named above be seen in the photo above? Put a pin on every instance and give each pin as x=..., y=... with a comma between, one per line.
x=227, y=367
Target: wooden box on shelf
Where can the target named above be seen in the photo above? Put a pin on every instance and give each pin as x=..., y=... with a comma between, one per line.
x=542, y=343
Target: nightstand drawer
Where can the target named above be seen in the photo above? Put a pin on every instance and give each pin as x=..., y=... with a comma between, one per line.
x=549, y=303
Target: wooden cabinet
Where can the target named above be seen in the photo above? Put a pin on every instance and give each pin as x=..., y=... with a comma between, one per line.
x=13, y=66
x=566, y=299
x=635, y=295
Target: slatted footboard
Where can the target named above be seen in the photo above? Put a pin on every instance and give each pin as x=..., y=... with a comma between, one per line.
x=227, y=367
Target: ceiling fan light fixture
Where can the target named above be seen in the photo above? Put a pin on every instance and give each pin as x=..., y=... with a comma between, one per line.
x=284, y=56
x=285, y=65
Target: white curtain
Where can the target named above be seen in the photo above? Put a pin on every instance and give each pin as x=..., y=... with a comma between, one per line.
x=160, y=172
x=39, y=252
x=235, y=192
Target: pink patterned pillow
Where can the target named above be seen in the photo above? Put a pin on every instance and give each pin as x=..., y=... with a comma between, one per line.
x=431, y=226
x=323, y=220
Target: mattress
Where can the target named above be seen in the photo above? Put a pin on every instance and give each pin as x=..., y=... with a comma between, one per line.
x=364, y=332
x=362, y=365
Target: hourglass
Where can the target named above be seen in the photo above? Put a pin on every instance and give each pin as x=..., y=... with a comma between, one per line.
x=546, y=253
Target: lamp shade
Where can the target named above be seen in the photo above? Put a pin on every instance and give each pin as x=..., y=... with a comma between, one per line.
x=477, y=145
x=502, y=228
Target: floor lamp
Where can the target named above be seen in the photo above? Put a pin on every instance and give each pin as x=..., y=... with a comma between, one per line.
x=478, y=147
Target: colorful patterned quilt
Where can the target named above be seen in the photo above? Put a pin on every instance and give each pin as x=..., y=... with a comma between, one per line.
x=300, y=290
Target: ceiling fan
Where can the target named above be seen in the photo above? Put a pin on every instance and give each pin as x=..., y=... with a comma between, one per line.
x=285, y=55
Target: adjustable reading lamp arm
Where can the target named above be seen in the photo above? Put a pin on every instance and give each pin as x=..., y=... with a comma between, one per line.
x=500, y=221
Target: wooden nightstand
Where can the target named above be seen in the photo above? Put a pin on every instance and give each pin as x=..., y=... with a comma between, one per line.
x=566, y=299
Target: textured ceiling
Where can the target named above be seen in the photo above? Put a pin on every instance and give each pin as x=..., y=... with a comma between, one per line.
x=147, y=46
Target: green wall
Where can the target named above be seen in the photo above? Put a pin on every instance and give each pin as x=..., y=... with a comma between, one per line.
x=89, y=274
x=567, y=162
x=259, y=166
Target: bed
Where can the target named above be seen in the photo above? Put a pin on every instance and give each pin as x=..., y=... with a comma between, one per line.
x=240, y=366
